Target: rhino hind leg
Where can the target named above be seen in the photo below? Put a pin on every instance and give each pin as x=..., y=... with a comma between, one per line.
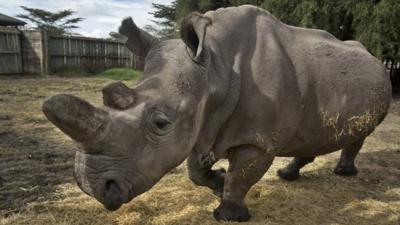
x=292, y=171
x=345, y=166
x=246, y=166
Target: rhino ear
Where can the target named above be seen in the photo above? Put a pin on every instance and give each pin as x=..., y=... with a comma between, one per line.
x=139, y=41
x=193, y=32
x=118, y=95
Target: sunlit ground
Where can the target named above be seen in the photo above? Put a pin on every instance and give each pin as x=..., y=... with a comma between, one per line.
x=36, y=185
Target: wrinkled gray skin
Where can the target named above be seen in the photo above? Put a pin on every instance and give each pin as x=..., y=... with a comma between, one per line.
x=240, y=85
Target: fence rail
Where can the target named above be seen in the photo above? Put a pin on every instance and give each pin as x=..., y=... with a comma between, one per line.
x=93, y=55
x=10, y=52
x=393, y=67
x=33, y=51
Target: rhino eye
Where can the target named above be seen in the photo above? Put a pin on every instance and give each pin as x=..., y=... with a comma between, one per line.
x=161, y=123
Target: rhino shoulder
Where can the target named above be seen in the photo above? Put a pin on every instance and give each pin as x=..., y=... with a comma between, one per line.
x=251, y=10
x=242, y=11
x=354, y=43
x=241, y=8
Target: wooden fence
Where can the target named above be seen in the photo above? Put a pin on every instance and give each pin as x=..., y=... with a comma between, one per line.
x=90, y=54
x=10, y=52
x=393, y=67
x=34, y=52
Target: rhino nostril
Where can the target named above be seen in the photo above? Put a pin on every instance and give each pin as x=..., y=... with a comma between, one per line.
x=112, y=187
x=112, y=198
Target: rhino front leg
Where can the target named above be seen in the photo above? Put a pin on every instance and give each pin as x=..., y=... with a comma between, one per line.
x=200, y=173
x=292, y=171
x=246, y=166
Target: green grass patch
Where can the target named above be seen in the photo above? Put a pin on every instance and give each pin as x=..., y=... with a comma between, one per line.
x=70, y=71
x=120, y=74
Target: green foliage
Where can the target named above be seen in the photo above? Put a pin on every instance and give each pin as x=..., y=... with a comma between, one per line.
x=166, y=12
x=164, y=27
x=375, y=23
x=120, y=74
x=114, y=36
x=378, y=27
x=184, y=7
x=333, y=16
x=56, y=23
x=113, y=74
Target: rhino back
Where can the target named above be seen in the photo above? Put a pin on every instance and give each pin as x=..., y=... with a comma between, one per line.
x=302, y=90
x=345, y=91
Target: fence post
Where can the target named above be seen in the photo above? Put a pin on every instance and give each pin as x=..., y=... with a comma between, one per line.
x=10, y=51
x=45, y=53
x=33, y=52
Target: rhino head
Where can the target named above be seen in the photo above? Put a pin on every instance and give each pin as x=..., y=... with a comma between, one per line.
x=141, y=133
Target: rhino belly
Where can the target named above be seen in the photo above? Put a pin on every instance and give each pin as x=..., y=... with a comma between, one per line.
x=336, y=119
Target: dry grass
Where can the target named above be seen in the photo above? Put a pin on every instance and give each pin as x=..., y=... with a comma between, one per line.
x=36, y=185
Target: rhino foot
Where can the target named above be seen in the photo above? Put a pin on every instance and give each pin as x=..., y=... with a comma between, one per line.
x=346, y=170
x=288, y=174
x=230, y=211
x=219, y=177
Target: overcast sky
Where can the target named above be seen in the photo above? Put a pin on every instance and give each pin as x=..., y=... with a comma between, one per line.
x=101, y=16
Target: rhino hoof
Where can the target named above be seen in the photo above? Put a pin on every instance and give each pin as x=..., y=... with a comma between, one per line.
x=288, y=174
x=346, y=170
x=230, y=211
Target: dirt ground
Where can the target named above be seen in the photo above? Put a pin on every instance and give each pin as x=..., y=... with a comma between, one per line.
x=36, y=184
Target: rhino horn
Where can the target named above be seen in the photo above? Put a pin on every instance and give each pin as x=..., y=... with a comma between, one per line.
x=118, y=96
x=75, y=117
x=138, y=41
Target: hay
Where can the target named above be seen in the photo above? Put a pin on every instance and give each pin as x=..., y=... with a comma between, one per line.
x=360, y=125
x=37, y=187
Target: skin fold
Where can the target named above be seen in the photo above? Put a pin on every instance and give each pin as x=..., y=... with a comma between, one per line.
x=239, y=84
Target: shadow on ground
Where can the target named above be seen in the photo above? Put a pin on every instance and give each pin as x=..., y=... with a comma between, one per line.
x=318, y=197
x=34, y=155
x=36, y=185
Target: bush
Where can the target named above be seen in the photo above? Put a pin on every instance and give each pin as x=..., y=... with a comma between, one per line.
x=120, y=74
x=70, y=71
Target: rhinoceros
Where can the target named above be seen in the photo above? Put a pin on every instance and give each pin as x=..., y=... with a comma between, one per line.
x=239, y=85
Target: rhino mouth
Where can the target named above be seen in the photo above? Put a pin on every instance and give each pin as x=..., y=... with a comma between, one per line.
x=114, y=206
x=114, y=196
x=114, y=199
x=117, y=202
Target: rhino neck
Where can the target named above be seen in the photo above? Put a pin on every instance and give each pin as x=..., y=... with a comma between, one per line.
x=222, y=98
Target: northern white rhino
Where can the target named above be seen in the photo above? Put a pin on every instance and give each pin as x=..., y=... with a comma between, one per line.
x=240, y=85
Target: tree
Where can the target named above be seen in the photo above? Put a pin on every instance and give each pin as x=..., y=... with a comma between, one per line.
x=375, y=23
x=164, y=26
x=114, y=36
x=169, y=17
x=377, y=26
x=333, y=16
x=55, y=23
